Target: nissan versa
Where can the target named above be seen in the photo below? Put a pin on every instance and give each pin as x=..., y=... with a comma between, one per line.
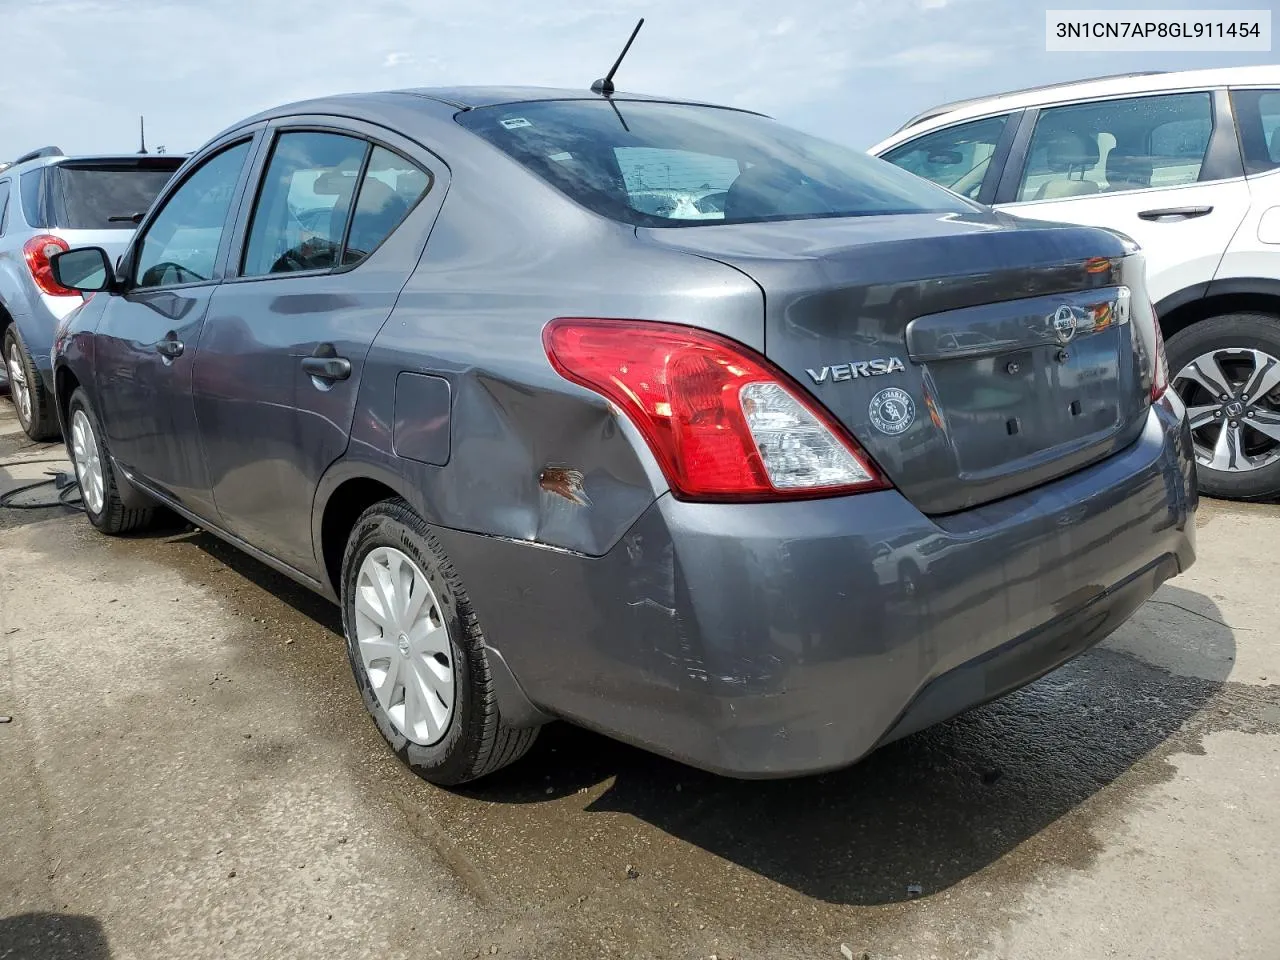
x=800, y=458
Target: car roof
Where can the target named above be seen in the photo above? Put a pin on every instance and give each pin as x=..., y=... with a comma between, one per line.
x=51, y=161
x=1096, y=88
x=453, y=98
x=469, y=98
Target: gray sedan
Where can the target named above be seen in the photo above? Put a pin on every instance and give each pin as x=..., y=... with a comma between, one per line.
x=760, y=488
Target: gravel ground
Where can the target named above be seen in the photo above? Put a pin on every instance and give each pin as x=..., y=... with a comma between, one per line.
x=189, y=773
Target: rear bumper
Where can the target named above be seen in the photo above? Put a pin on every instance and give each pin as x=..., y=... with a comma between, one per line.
x=780, y=639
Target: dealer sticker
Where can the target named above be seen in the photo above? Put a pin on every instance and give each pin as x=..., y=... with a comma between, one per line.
x=892, y=411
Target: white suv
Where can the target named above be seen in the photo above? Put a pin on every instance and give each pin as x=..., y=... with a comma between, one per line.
x=1188, y=165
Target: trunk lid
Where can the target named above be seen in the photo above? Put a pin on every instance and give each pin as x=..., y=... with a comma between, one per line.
x=973, y=356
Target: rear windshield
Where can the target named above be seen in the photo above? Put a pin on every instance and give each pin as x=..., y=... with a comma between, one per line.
x=90, y=195
x=676, y=165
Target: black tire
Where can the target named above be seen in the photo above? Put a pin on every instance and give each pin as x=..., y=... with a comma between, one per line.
x=477, y=741
x=1256, y=331
x=113, y=517
x=42, y=423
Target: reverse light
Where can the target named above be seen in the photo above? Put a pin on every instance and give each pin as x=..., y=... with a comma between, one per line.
x=722, y=422
x=38, y=251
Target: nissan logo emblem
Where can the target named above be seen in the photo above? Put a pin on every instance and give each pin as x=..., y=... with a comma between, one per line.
x=1064, y=323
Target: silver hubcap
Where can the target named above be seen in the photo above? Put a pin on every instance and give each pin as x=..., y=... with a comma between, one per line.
x=18, y=384
x=1233, y=407
x=404, y=645
x=84, y=451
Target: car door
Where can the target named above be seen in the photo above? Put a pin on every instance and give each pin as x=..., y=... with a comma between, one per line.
x=146, y=337
x=282, y=351
x=966, y=157
x=1254, y=254
x=1162, y=168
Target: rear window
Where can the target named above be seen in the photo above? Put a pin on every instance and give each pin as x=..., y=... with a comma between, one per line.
x=676, y=165
x=89, y=195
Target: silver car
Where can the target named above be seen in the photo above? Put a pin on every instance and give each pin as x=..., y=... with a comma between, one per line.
x=49, y=203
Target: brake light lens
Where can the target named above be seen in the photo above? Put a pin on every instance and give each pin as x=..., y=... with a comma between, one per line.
x=38, y=251
x=722, y=422
x=1160, y=375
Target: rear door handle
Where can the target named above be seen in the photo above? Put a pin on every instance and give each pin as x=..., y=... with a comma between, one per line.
x=170, y=347
x=327, y=368
x=1174, y=214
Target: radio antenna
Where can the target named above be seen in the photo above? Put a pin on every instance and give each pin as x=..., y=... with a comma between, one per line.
x=604, y=86
x=142, y=134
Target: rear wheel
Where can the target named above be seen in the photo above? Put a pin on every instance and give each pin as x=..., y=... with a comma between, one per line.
x=1227, y=372
x=36, y=414
x=417, y=651
x=99, y=493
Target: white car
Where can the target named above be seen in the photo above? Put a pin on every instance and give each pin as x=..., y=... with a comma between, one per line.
x=1188, y=165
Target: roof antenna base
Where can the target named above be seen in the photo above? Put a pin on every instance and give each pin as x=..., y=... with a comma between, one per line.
x=604, y=86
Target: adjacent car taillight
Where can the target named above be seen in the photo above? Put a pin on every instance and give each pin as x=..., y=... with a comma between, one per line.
x=38, y=250
x=723, y=423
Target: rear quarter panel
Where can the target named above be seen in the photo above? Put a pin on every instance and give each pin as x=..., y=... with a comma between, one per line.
x=531, y=456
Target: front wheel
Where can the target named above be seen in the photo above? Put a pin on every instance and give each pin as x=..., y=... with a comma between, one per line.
x=1227, y=371
x=417, y=651
x=95, y=474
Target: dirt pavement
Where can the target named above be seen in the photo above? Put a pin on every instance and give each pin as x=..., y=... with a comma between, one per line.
x=190, y=773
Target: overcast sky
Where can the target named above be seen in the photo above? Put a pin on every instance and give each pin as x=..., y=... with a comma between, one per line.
x=77, y=73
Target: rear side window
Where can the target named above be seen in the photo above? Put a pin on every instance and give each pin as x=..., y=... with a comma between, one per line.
x=4, y=207
x=304, y=203
x=678, y=165
x=392, y=186
x=34, y=208
x=1117, y=145
x=108, y=196
x=956, y=158
x=1258, y=118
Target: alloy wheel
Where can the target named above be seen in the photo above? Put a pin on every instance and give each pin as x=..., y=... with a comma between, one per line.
x=18, y=387
x=1233, y=407
x=88, y=463
x=404, y=645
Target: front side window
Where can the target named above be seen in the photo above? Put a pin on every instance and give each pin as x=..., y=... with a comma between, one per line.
x=303, y=206
x=654, y=164
x=392, y=186
x=1117, y=145
x=1258, y=117
x=956, y=158
x=181, y=244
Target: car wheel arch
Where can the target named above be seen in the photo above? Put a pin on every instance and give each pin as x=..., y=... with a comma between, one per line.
x=345, y=492
x=1202, y=301
x=65, y=383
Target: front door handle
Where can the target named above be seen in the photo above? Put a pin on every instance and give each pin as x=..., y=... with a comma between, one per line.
x=327, y=368
x=1174, y=214
x=170, y=347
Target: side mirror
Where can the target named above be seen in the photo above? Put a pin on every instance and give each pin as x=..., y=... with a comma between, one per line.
x=85, y=269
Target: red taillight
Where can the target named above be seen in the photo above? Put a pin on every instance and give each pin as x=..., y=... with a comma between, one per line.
x=38, y=250
x=1159, y=376
x=723, y=423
